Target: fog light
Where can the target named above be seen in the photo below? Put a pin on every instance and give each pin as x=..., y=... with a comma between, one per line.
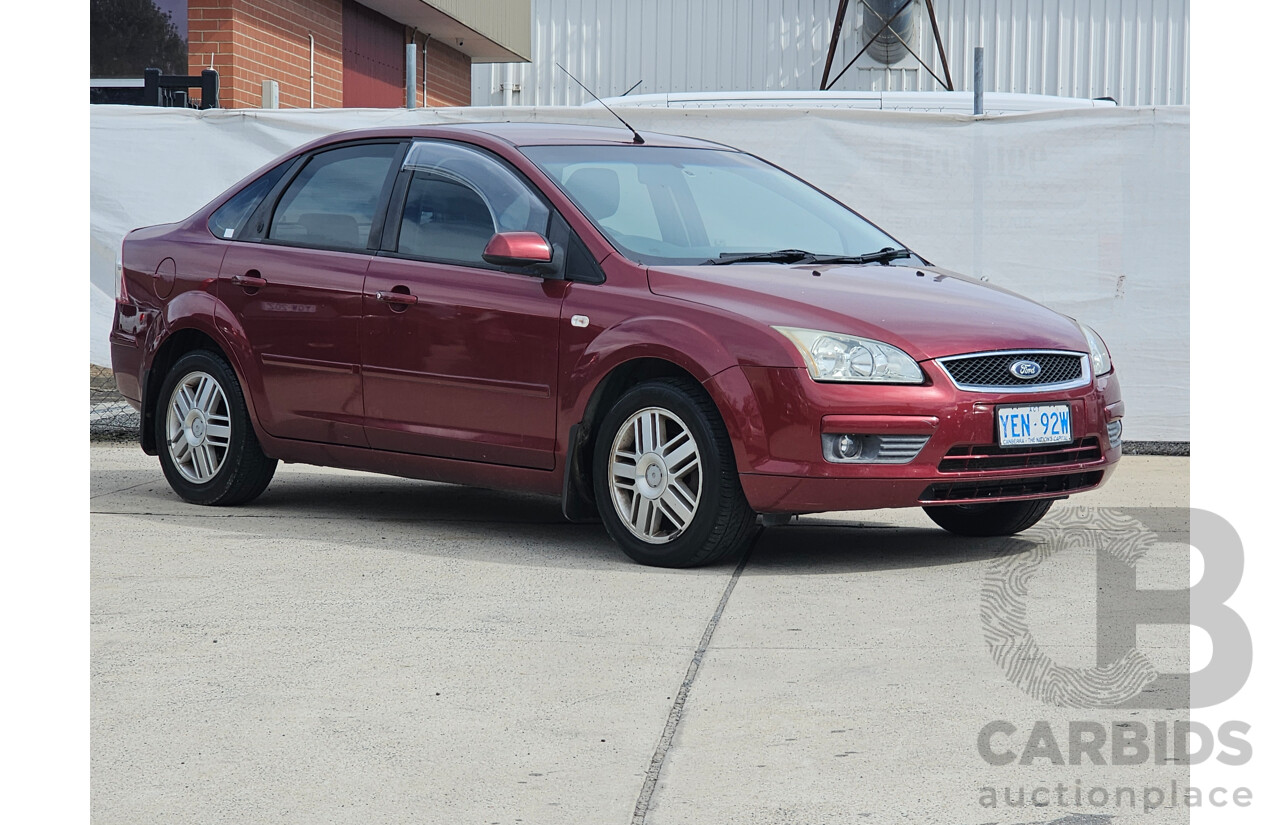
x=852, y=448
x=848, y=447
x=1114, y=430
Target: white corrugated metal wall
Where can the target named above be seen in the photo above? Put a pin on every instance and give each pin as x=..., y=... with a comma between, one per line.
x=1135, y=51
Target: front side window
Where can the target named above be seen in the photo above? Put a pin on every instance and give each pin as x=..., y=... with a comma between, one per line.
x=457, y=199
x=332, y=202
x=666, y=205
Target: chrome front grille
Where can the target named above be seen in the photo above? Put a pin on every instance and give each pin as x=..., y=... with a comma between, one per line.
x=993, y=371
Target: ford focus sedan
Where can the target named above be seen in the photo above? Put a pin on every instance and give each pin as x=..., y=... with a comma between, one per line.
x=667, y=334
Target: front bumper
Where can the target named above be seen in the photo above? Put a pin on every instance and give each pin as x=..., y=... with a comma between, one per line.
x=776, y=417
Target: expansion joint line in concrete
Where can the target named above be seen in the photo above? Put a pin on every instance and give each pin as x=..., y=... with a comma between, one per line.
x=677, y=707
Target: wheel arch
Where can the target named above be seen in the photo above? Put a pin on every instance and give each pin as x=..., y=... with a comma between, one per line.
x=577, y=499
x=175, y=345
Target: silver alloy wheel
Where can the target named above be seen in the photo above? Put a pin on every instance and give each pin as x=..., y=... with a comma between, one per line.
x=198, y=427
x=656, y=475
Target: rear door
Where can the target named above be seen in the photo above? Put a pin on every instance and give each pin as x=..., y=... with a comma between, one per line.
x=297, y=291
x=460, y=356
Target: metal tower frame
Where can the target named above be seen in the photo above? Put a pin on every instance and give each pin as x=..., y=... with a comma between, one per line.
x=839, y=24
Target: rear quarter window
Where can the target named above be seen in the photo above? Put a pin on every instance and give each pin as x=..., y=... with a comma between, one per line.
x=228, y=221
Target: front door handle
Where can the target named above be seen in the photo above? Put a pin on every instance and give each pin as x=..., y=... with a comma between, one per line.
x=400, y=298
x=248, y=281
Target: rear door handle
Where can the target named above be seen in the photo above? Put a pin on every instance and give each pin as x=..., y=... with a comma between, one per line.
x=248, y=281
x=401, y=298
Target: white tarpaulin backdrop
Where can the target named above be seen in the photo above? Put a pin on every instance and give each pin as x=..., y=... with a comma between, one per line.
x=1086, y=211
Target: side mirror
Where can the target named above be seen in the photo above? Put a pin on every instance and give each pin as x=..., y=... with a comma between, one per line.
x=517, y=249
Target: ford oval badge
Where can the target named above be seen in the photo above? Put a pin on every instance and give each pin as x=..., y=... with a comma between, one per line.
x=1025, y=370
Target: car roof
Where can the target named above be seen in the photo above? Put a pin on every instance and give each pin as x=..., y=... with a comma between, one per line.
x=535, y=134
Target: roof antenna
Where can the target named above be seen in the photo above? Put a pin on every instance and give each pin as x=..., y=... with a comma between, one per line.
x=637, y=138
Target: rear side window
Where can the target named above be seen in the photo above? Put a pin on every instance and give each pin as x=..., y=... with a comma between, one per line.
x=226, y=222
x=332, y=201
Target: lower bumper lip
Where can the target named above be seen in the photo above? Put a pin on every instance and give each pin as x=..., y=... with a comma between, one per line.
x=795, y=494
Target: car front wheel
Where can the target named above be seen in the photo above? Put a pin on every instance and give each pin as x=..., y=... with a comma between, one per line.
x=208, y=450
x=665, y=481
x=1003, y=518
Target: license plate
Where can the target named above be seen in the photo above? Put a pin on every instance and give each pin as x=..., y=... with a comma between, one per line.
x=1033, y=425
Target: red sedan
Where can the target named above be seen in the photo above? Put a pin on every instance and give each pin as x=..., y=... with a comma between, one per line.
x=668, y=333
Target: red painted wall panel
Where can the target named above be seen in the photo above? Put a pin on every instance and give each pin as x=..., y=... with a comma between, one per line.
x=372, y=58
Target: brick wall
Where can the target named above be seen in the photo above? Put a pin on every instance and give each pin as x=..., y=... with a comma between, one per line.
x=448, y=75
x=254, y=40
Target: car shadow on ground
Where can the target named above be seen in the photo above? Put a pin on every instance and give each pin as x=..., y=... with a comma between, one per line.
x=813, y=549
x=398, y=499
x=524, y=529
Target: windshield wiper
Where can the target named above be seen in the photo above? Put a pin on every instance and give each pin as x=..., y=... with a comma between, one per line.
x=882, y=257
x=778, y=256
x=799, y=256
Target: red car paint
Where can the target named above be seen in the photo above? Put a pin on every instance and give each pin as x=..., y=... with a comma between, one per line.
x=432, y=371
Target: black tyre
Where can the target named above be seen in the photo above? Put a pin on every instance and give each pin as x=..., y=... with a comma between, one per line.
x=665, y=480
x=999, y=519
x=207, y=446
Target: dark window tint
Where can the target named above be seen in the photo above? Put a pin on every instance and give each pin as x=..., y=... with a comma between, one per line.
x=458, y=198
x=332, y=202
x=225, y=223
x=446, y=220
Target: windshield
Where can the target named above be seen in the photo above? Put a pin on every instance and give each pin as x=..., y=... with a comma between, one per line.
x=662, y=205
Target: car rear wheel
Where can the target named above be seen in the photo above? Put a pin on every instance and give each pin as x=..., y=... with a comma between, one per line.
x=208, y=450
x=1002, y=518
x=664, y=478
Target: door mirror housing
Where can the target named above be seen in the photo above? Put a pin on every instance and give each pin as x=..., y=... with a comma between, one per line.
x=517, y=249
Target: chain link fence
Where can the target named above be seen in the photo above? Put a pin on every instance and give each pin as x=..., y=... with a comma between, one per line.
x=110, y=416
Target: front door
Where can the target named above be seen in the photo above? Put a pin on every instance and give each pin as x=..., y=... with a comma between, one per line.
x=460, y=356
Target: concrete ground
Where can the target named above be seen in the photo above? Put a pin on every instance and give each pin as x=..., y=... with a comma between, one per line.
x=362, y=649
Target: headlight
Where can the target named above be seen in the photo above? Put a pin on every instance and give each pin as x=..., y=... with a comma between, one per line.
x=1097, y=351
x=831, y=356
